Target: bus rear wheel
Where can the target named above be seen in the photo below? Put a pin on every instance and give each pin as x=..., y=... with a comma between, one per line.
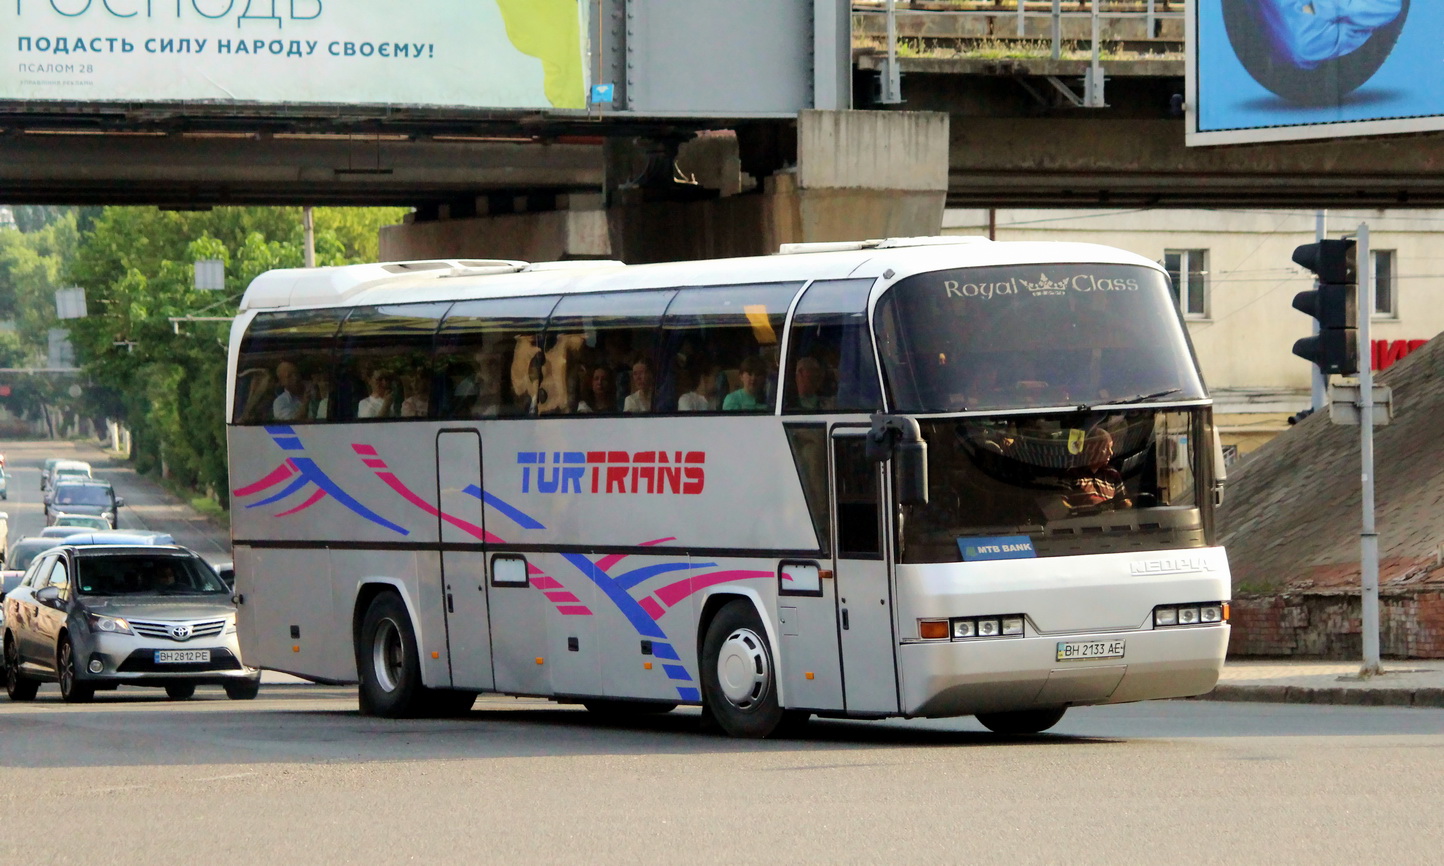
x=387, y=661
x=1022, y=721
x=739, y=678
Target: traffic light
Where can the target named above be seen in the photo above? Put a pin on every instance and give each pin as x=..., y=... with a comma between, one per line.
x=1334, y=302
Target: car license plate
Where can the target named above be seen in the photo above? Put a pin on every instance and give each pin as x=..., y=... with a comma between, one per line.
x=181, y=657
x=1079, y=650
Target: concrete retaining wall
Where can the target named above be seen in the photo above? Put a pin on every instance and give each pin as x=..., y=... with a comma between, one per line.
x=1329, y=625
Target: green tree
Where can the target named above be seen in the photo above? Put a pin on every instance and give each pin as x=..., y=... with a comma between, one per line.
x=167, y=382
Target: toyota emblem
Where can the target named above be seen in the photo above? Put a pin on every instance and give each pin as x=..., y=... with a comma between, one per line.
x=180, y=632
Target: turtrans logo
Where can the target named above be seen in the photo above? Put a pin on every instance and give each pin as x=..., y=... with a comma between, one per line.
x=655, y=472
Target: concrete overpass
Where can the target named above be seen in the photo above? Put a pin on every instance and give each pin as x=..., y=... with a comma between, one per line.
x=971, y=132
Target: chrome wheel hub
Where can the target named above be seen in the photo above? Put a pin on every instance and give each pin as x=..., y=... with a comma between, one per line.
x=743, y=670
x=388, y=656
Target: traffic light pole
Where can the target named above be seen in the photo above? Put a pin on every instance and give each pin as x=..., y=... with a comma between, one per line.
x=1318, y=396
x=1368, y=538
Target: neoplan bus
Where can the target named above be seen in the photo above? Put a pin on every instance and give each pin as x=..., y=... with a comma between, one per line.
x=920, y=478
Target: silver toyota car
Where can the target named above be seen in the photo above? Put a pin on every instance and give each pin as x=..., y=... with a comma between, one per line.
x=93, y=617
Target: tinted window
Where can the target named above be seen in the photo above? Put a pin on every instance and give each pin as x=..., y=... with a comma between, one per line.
x=23, y=553
x=83, y=494
x=830, y=354
x=127, y=574
x=604, y=346
x=285, y=370
x=712, y=336
x=485, y=357
x=386, y=362
x=1041, y=335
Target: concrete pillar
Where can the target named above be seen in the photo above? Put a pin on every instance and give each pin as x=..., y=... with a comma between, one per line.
x=856, y=175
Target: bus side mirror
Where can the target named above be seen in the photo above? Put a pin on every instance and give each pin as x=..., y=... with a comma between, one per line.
x=1220, y=471
x=900, y=439
x=910, y=462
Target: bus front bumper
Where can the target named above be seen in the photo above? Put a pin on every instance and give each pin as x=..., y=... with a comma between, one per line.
x=959, y=678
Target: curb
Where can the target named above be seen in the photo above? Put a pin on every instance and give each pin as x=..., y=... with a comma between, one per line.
x=1421, y=697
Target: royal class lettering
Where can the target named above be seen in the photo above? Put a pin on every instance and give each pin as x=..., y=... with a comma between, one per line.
x=655, y=472
x=1043, y=286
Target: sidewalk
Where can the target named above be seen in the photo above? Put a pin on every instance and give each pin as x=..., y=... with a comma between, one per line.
x=1407, y=683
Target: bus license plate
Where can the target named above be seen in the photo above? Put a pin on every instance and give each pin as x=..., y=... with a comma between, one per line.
x=183, y=657
x=1072, y=651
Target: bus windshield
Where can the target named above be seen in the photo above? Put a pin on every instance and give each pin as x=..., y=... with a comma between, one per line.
x=1034, y=336
x=1076, y=482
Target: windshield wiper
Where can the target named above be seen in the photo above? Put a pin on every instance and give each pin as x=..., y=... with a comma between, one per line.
x=1140, y=398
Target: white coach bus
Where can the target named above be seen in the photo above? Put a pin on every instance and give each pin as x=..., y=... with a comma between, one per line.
x=919, y=477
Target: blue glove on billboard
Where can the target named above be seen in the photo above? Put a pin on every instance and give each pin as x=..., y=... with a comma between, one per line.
x=1307, y=33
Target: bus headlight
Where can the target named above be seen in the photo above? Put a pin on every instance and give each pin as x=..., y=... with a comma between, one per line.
x=1006, y=625
x=1201, y=613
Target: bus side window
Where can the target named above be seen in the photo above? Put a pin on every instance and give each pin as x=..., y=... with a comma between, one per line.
x=616, y=332
x=477, y=350
x=831, y=366
x=711, y=335
x=284, y=368
x=386, y=362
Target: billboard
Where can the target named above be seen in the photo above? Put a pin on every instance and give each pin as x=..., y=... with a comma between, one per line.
x=502, y=54
x=1275, y=70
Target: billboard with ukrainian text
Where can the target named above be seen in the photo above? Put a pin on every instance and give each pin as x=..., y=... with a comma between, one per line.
x=503, y=54
x=1275, y=70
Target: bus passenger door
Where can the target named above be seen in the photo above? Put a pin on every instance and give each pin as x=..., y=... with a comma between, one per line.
x=864, y=597
x=463, y=561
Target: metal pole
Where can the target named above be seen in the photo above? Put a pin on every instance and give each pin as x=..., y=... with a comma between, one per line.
x=1022, y=9
x=1368, y=538
x=309, y=222
x=1095, y=68
x=1057, y=28
x=1320, y=381
x=1152, y=22
x=892, y=81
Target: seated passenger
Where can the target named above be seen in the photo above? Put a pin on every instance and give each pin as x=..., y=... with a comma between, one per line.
x=602, y=396
x=702, y=396
x=751, y=397
x=377, y=404
x=291, y=403
x=417, y=402
x=640, y=400
x=1096, y=485
x=808, y=376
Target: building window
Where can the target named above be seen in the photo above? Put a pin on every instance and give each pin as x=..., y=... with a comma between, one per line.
x=1386, y=300
x=1188, y=269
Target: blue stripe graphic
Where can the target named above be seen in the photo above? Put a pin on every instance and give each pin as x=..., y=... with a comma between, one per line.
x=665, y=651
x=639, y=618
x=677, y=672
x=517, y=516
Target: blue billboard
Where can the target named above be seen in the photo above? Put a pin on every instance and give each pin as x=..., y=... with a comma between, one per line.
x=1270, y=70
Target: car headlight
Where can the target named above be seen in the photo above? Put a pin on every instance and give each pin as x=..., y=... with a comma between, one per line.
x=109, y=625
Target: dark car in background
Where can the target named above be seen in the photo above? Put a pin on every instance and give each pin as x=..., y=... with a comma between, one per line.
x=83, y=497
x=94, y=617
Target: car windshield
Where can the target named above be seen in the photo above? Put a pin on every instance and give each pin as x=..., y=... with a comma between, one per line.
x=146, y=574
x=87, y=494
x=22, y=553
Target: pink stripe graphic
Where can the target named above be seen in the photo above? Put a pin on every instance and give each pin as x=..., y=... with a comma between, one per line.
x=675, y=592
x=375, y=463
x=405, y=492
x=606, y=562
x=574, y=610
x=561, y=596
x=368, y=450
x=542, y=581
x=315, y=497
x=277, y=475
x=653, y=609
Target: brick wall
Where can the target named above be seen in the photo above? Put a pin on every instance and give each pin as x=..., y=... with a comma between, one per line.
x=1327, y=625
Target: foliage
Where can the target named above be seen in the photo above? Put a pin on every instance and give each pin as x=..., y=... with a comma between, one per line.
x=167, y=381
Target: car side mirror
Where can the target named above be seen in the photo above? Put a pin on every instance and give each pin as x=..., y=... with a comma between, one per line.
x=47, y=595
x=119, y=501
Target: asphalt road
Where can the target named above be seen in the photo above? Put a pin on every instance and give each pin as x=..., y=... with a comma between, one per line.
x=148, y=506
x=298, y=777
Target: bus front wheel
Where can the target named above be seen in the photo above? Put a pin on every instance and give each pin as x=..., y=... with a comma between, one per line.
x=739, y=678
x=1022, y=721
x=387, y=662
